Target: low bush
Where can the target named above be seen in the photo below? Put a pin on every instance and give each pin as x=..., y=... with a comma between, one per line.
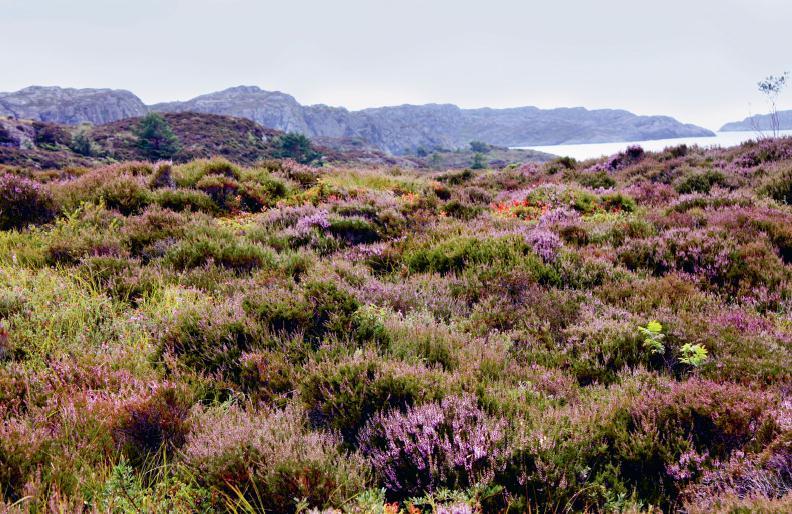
x=23, y=202
x=452, y=444
x=209, y=338
x=270, y=460
x=343, y=395
x=184, y=200
x=152, y=425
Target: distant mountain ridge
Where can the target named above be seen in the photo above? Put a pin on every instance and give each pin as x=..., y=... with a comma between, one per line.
x=397, y=130
x=760, y=122
x=71, y=106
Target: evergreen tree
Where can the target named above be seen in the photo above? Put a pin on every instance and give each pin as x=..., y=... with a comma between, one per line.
x=296, y=146
x=478, y=162
x=81, y=143
x=155, y=137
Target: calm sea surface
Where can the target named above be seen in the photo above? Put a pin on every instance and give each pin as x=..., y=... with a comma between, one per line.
x=593, y=150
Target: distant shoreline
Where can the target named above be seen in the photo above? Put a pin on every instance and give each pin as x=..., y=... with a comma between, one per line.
x=584, y=151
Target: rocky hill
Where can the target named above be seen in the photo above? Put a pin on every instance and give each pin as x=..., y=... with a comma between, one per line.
x=45, y=145
x=759, y=122
x=405, y=128
x=71, y=106
x=396, y=130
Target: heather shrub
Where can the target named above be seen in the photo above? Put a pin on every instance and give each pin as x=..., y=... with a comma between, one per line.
x=602, y=343
x=344, y=395
x=23, y=448
x=221, y=189
x=184, y=200
x=779, y=186
x=743, y=483
x=199, y=249
x=281, y=310
x=143, y=232
x=115, y=188
x=209, y=337
x=154, y=424
x=700, y=182
x=23, y=202
x=88, y=231
x=461, y=210
x=271, y=459
x=189, y=174
x=596, y=180
x=353, y=230
x=621, y=359
x=455, y=254
x=450, y=444
x=268, y=376
x=318, y=309
x=162, y=176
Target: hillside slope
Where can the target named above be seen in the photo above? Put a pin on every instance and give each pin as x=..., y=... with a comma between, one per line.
x=397, y=130
x=43, y=145
x=405, y=128
x=759, y=122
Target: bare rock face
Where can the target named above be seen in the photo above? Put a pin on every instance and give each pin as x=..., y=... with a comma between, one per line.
x=396, y=130
x=405, y=128
x=71, y=106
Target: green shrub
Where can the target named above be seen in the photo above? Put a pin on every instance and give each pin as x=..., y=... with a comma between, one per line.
x=459, y=210
x=354, y=230
x=455, y=254
x=779, y=186
x=202, y=249
x=343, y=396
x=597, y=180
x=221, y=189
x=270, y=460
x=184, y=200
x=700, y=182
x=188, y=175
x=209, y=338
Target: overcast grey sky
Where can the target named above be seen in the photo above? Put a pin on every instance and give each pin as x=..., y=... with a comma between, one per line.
x=696, y=60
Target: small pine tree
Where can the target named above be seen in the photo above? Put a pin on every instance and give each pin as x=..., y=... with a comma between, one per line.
x=479, y=147
x=478, y=162
x=296, y=146
x=81, y=143
x=155, y=138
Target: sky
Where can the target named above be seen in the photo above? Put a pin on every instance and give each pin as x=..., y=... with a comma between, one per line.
x=696, y=60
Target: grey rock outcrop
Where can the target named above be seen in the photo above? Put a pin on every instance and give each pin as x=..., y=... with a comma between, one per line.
x=71, y=106
x=404, y=128
x=396, y=130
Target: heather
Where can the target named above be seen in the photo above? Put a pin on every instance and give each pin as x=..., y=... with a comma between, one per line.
x=209, y=336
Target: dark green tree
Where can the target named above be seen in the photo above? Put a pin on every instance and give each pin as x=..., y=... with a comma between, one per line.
x=155, y=137
x=478, y=162
x=479, y=147
x=296, y=146
x=81, y=143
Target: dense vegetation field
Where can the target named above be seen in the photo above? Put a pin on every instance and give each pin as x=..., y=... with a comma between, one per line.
x=600, y=336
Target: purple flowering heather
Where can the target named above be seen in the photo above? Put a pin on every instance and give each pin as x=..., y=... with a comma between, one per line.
x=559, y=215
x=22, y=201
x=544, y=243
x=319, y=219
x=448, y=444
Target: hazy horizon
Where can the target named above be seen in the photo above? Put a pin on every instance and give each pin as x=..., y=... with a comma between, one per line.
x=696, y=62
